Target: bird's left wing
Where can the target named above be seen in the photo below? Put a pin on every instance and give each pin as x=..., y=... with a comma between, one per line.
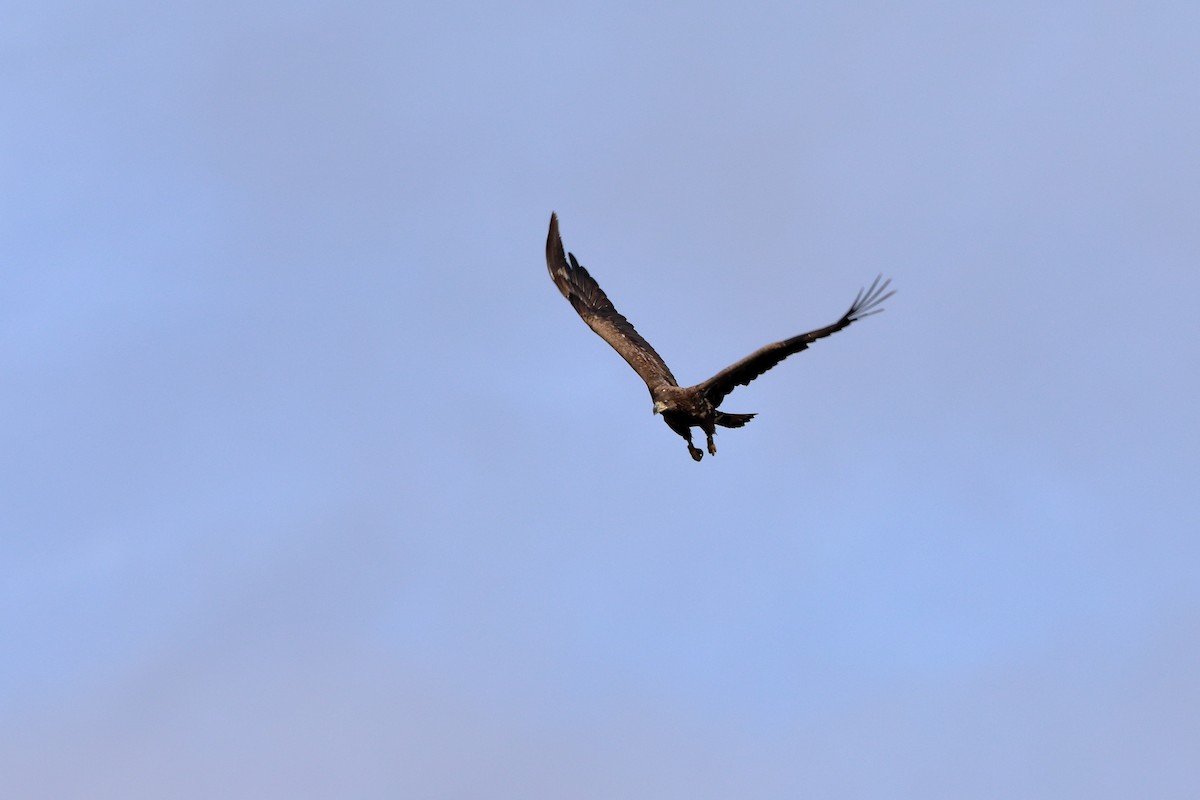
x=590, y=302
x=758, y=362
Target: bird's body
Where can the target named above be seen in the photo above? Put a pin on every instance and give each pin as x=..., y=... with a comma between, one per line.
x=683, y=408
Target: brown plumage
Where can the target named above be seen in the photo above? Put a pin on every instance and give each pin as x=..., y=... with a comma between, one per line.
x=684, y=408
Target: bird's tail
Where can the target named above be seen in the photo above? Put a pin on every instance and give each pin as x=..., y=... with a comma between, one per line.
x=732, y=420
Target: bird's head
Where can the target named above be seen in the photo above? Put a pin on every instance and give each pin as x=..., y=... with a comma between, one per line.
x=660, y=406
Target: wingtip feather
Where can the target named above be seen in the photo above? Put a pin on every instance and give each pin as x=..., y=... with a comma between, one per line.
x=867, y=301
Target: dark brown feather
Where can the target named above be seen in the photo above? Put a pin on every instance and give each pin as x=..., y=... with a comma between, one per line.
x=758, y=362
x=590, y=302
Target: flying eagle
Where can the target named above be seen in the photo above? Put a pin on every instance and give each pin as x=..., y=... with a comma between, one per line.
x=684, y=408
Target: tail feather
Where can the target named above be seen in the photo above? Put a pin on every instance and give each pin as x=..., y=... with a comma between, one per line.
x=732, y=420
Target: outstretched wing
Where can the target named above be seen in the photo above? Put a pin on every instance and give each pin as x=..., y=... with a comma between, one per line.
x=755, y=364
x=589, y=300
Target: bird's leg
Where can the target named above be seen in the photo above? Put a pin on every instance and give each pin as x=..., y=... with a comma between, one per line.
x=712, y=448
x=693, y=451
x=685, y=431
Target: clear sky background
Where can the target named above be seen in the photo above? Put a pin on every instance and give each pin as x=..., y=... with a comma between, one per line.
x=312, y=485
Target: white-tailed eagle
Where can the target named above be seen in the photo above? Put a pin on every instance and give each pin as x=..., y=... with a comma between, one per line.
x=684, y=408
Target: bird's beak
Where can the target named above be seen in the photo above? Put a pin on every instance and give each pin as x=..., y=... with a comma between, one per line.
x=659, y=406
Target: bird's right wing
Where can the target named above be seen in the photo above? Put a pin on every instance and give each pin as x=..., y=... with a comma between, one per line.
x=590, y=302
x=740, y=374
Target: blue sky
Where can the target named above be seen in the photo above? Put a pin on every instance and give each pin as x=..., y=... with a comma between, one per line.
x=313, y=486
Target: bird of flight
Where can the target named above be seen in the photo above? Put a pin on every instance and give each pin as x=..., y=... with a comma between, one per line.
x=684, y=408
